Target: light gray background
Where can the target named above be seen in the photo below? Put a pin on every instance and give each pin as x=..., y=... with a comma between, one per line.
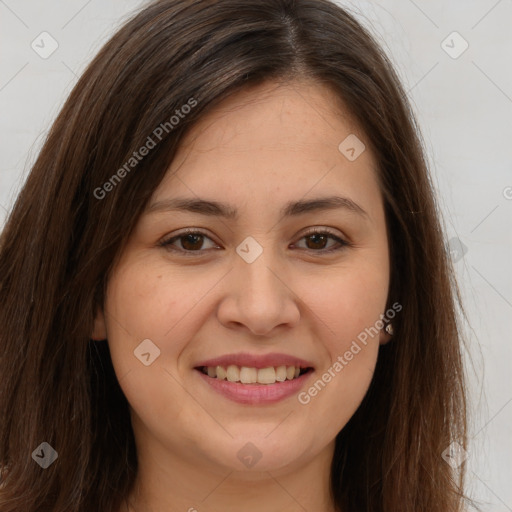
x=464, y=106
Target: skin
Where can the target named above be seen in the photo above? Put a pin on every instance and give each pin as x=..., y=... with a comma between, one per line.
x=258, y=150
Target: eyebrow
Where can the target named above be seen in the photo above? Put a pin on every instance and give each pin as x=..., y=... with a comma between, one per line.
x=291, y=209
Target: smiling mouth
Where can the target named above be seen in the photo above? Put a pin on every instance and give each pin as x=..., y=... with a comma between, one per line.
x=250, y=375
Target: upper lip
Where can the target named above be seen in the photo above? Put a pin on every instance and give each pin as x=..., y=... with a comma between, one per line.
x=256, y=361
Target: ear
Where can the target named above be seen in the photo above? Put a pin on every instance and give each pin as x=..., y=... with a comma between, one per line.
x=384, y=337
x=100, y=329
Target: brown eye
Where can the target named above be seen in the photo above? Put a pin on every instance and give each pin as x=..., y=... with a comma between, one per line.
x=317, y=241
x=191, y=242
x=187, y=242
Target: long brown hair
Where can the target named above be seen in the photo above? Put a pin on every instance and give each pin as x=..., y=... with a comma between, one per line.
x=64, y=234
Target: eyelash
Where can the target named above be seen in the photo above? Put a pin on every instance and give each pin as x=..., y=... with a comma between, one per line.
x=166, y=243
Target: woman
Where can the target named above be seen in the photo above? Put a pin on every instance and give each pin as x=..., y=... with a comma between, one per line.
x=225, y=280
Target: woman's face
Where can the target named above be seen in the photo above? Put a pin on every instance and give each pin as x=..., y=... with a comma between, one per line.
x=255, y=290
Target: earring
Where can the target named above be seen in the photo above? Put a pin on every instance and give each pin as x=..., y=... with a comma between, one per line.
x=389, y=329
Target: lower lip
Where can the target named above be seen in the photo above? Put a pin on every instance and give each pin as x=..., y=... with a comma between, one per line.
x=256, y=393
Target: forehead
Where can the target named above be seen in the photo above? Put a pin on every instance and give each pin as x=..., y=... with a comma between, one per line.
x=272, y=115
x=276, y=142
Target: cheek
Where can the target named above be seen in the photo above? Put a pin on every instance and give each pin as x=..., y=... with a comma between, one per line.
x=151, y=301
x=346, y=301
x=141, y=305
x=347, y=304
x=347, y=309
x=335, y=395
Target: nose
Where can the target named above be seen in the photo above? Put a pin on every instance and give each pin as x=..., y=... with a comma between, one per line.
x=259, y=297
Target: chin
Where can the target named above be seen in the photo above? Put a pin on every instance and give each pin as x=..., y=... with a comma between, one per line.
x=252, y=454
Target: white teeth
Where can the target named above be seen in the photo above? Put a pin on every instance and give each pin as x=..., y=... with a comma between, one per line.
x=281, y=373
x=221, y=373
x=247, y=375
x=267, y=375
x=233, y=373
